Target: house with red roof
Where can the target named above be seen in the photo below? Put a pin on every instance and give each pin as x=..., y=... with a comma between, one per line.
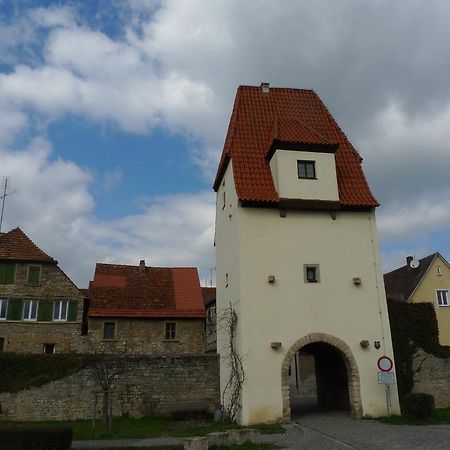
x=146, y=310
x=297, y=261
x=41, y=309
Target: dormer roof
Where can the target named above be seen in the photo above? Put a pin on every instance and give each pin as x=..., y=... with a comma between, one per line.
x=15, y=245
x=261, y=121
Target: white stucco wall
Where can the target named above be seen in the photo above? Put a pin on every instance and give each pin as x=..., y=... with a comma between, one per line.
x=284, y=172
x=257, y=242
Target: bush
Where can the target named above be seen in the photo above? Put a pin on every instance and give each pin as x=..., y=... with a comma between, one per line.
x=26, y=438
x=418, y=406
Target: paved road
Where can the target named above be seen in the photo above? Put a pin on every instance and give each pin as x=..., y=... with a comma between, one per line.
x=335, y=431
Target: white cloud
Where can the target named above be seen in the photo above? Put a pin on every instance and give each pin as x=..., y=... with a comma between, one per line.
x=53, y=16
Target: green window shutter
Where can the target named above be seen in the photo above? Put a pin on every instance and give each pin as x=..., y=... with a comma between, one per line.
x=34, y=274
x=7, y=272
x=45, y=310
x=72, y=316
x=14, y=309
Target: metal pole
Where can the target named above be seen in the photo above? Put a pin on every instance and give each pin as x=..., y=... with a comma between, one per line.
x=388, y=399
x=3, y=203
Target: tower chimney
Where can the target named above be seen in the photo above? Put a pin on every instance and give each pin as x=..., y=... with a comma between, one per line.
x=408, y=260
x=142, y=265
x=265, y=88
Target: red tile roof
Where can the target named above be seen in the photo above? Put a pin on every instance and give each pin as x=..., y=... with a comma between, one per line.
x=157, y=292
x=289, y=116
x=16, y=245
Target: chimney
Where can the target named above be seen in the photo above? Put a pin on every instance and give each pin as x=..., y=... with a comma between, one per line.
x=408, y=260
x=142, y=265
x=265, y=88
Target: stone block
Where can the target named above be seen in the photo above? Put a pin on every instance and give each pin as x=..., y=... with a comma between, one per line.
x=218, y=438
x=195, y=443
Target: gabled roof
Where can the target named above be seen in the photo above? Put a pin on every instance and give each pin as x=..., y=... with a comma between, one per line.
x=156, y=292
x=402, y=282
x=286, y=116
x=209, y=295
x=16, y=245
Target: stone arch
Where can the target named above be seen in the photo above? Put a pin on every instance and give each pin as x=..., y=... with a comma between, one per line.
x=350, y=363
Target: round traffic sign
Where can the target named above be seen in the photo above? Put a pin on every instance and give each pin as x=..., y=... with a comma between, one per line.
x=385, y=363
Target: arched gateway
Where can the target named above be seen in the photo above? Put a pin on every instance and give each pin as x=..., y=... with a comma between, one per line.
x=350, y=363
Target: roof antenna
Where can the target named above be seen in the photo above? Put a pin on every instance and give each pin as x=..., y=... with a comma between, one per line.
x=3, y=197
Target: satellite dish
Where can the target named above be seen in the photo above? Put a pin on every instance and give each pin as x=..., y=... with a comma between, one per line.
x=414, y=264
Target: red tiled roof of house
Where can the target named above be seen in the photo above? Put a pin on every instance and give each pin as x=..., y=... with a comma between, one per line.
x=16, y=245
x=157, y=292
x=209, y=295
x=290, y=116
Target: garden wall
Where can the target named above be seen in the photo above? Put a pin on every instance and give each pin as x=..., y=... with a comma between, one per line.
x=432, y=375
x=145, y=386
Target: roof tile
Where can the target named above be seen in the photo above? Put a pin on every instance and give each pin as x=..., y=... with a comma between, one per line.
x=288, y=115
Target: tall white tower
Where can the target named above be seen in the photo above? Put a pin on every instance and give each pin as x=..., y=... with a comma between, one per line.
x=298, y=258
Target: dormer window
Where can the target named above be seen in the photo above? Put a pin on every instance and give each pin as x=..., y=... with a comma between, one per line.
x=306, y=169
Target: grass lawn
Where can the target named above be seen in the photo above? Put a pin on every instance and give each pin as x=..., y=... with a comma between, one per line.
x=440, y=417
x=146, y=427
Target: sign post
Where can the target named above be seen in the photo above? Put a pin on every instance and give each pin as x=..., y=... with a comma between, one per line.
x=386, y=377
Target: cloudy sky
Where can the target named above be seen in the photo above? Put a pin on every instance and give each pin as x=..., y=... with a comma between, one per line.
x=113, y=115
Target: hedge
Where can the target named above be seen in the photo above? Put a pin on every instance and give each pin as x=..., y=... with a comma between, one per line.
x=413, y=326
x=33, y=438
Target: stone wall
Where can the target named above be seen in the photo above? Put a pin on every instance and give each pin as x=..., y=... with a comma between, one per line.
x=432, y=375
x=147, y=386
x=147, y=336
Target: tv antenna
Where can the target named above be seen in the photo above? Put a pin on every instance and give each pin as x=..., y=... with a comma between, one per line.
x=3, y=198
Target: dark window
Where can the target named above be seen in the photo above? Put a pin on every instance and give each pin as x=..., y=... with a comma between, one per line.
x=2, y=344
x=7, y=273
x=311, y=273
x=109, y=330
x=34, y=275
x=3, y=307
x=49, y=348
x=306, y=169
x=171, y=330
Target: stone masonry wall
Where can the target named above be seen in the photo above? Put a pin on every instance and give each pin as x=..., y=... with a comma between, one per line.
x=147, y=386
x=147, y=336
x=433, y=377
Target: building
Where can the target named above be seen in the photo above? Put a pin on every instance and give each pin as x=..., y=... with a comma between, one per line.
x=298, y=257
x=424, y=280
x=41, y=309
x=209, y=299
x=146, y=310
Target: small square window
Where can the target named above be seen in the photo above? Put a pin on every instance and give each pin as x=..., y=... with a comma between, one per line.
x=60, y=310
x=171, y=330
x=442, y=297
x=109, y=330
x=30, y=308
x=34, y=275
x=49, y=348
x=311, y=273
x=306, y=169
x=3, y=308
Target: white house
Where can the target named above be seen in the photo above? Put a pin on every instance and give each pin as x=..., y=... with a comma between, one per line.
x=298, y=257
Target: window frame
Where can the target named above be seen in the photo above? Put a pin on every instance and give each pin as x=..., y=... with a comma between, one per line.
x=307, y=268
x=167, y=337
x=11, y=264
x=306, y=164
x=60, y=302
x=109, y=322
x=447, y=303
x=31, y=301
x=39, y=266
x=3, y=301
